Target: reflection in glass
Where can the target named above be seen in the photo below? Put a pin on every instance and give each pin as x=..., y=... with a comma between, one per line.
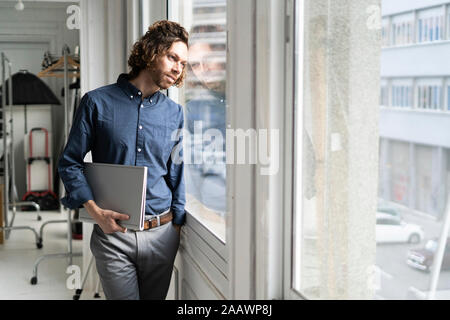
x=205, y=110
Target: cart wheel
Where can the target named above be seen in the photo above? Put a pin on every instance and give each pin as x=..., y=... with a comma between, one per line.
x=78, y=291
x=39, y=245
x=96, y=295
x=33, y=280
x=39, y=218
x=76, y=297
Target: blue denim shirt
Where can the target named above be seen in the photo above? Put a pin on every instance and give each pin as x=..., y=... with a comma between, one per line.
x=118, y=127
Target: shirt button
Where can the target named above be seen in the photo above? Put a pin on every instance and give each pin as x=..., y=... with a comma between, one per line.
x=140, y=127
x=131, y=97
x=142, y=105
x=139, y=149
x=151, y=101
x=139, y=93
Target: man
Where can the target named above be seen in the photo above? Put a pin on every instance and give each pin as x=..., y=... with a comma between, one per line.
x=131, y=123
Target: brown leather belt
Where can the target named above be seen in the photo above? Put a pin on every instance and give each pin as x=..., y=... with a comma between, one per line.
x=158, y=220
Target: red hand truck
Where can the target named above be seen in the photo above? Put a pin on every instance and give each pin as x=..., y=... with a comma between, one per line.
x=45, y=197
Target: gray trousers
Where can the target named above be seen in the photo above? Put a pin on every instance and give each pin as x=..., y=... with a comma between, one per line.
x=136, y=264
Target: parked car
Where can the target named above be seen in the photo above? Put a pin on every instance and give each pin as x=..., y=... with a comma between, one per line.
x=391, y=229
x=422, y=258
x=389, y=211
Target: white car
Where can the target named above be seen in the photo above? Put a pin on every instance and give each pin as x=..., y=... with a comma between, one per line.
x=389, y=229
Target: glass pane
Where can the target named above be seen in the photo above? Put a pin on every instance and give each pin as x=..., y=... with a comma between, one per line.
x=330, y=212
x=414, y=167
x=410, y=207
x=203, y=97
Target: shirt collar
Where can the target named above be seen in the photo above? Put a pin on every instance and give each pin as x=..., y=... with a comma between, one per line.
x=123, y=81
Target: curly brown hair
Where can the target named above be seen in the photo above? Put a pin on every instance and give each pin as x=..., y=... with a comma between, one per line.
x=156, y=41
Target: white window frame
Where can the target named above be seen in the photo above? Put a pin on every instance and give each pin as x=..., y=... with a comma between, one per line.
x=293, y=158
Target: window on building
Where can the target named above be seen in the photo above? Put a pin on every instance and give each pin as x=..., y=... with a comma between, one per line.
x=384, y=95
x=429, y=97
x=448, y=97
x=204, y=99
x=410, y=34
x=431, y=29
x=385, y=32
x=438, y=28
x=420, y=30
x=401, y=95
x=430, y=25
x=448, y=23
x=438, y=98
x=409, y=94
x=393, y=34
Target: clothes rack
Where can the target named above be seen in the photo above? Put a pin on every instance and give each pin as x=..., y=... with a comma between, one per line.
x=9, y=162
x=62, y=65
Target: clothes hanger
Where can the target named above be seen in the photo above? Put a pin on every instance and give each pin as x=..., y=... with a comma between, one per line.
x=59, y=67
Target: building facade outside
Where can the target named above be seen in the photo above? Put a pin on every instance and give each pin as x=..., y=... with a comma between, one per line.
x=415, y=105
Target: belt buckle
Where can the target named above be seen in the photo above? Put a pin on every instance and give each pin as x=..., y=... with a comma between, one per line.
x=158, y=220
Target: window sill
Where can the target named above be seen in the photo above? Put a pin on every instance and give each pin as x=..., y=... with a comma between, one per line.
x=208, y=218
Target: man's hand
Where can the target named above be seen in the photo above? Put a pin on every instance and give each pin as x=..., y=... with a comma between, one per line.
x=106, y=219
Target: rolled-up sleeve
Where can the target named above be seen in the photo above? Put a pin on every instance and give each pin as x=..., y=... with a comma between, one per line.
x=71, y=163
x=175, y=175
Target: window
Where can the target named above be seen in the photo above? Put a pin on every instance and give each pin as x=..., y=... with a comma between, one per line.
x=448, y=97
x=384, y=32
x=384, y=95
x=448, y=23
x=430, y=24
x=431, y=32
x=438, y=27
x=420, y=30
x=325, y=266
x=401, y=95
x=437, y=94
x=410, y=34
x=393, y=32
x=204, y=99
x=429, y=96
x=407, y=97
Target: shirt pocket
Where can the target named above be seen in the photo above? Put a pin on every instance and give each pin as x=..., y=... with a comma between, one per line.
x=114, y=134
x=158, y=141
x=105, y=130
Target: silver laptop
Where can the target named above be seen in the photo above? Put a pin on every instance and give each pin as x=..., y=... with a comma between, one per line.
x=119, y=188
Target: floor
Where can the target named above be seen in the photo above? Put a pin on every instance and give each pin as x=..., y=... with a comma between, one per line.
x=19, y=253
